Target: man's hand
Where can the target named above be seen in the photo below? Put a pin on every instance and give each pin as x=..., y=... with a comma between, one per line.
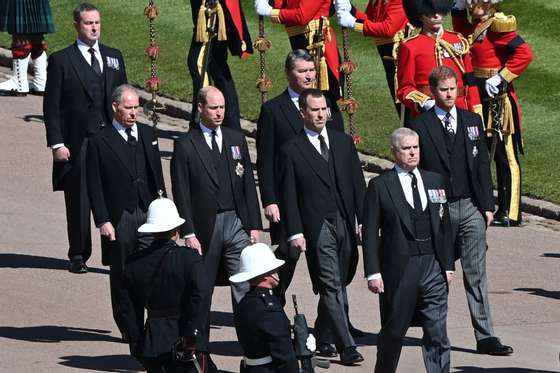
x=61, y=154
x=263, y=8
x=492, y=85
x=254, y=236
x=345, y=19
x=107, y=230
x=343, y=5
x=428, y=104
x=489, y=217
x=194, y=244
x=298, y=243
x=376, y=286
x=449, y=275
x=272, y=213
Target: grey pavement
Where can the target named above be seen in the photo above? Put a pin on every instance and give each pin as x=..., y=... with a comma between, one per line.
x=55, y=321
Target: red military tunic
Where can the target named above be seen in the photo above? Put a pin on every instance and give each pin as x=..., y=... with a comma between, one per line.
x=419, y=55
x=383, y=19
x=301, y=17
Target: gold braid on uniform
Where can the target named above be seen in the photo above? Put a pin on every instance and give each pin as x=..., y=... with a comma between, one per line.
x=202, y=25
x=410, y=32
x=456, y=55
x=508, y=124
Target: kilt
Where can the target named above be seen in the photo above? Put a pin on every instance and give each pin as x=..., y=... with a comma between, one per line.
x=26, y=16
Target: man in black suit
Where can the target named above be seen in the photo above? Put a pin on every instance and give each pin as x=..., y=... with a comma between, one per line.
x=123, y=177
x=77, y=103
x=279, y=121
x=169, y=282
x=408, y=255
x=453, y=144
x=214, y=189
x=229, y=31
x=321, y=195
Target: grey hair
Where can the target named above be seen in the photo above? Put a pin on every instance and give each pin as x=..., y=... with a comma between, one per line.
x=120, y=90
x=83, y=7
x=399, y=134
x=293, y=56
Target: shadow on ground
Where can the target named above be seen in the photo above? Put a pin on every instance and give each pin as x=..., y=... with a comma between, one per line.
x=55, y=333
x=498, y=370
x=541, y=292
x=39, y=262
x=107, y=363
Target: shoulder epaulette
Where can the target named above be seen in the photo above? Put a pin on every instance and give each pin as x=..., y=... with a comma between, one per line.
x=503, y=23
x=410, y=37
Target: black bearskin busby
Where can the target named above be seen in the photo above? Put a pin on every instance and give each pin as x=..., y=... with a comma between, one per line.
x=416, y=8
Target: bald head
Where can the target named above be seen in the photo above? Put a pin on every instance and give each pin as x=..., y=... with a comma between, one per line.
x=211, y=107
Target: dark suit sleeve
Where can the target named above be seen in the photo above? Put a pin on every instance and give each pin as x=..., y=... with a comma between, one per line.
x=52, y=100
x=279, y=341
x=158, y=172
x=265, y=157
x=180, y=186
x=371, y=226
x=131, y=321
x=194, y=308
x=484, y=173
x=94, y=184
x=250, y=190
x=289, y=208
x=359, y=183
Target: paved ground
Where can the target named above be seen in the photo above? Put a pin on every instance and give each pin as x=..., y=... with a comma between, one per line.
x=54, y=321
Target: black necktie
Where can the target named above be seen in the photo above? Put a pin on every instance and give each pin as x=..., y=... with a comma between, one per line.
x=130, y=139
x=448, y=126
x=324, y=148
x=415, y=194
x=215, y=148
x=94, y=63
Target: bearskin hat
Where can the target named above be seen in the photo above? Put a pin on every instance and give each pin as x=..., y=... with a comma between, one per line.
x=415, y=9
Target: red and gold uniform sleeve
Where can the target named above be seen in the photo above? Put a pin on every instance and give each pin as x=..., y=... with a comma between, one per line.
x=473, y=97
x=516, y=53
x=382, y=22
x=300, y=12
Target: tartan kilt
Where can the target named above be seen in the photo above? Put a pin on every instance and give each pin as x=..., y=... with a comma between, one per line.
x=26, y=16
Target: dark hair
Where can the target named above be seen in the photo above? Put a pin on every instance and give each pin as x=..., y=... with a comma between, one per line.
x=415, y=9
x=441, y=73
x=83, y=7
x=293, y=56
x=313, y=92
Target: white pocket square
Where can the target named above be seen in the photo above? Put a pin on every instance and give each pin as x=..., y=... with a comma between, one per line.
x=154, y=142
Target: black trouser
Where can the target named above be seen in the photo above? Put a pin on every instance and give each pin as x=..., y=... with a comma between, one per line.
x=78, y=209
x=220, y=75
x=386, y=54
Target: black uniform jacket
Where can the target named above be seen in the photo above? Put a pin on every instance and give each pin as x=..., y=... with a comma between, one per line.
x=175, y=306
x=305, y=186
x=388, y=228
x=69, y=108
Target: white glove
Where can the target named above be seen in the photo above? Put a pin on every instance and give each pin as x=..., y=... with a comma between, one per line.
x=460, y=5
x=345, y=19
x=263, y=8
x=342, y=5
x=492, y=85
x=310, y=343
x=428, y=104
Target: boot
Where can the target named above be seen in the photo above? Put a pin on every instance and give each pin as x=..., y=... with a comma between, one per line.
x=37, y=85
x=17, y=85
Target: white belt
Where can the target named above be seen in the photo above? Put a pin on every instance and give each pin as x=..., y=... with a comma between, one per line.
x=259, y=361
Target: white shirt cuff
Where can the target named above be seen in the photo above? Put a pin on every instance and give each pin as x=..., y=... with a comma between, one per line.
x=297, y=235
x=56, y=146
x=190, y=235
x=375, y=276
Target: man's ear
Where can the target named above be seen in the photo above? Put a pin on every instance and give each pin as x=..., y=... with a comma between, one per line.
x=114, y=105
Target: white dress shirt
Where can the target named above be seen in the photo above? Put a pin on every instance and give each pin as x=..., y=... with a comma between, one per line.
x=294, y=96
x=122, y=130
x=84, y=50
x=207, y=132
x=453, y=118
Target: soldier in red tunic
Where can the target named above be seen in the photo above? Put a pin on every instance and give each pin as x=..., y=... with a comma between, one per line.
x=385, y=21
x=499, y=55
x=308, y=27
x=434, y=46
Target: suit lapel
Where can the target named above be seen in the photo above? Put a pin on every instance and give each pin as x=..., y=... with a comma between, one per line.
x=226, y=147
x=433, y=126
x=433, y=208
x=197, y=138
x=117, y=144
x=337, y=158
x=317, y=163
x=148, y=147
x=291, y=112
x=108, y=72
x=397, y=195
x=80, y=65
x=462, y=126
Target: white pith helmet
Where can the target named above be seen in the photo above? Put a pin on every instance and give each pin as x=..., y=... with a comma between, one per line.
x=162, y=216
x=256, y=260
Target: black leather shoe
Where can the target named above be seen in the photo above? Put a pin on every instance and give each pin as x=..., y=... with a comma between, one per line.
x=493, y=346
x=326, y=350
x=77, y=265
x=501, y=221
x=350, y=356
x=355, y=332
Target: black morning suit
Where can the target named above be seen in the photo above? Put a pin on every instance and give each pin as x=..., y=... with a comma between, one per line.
x=239, y=44
x=196, y=190
x=279, y=121
x=77, y=103
x=169, y=281
x=320, y=198
x=123, y=179
x=389, y=234
x=468, y=186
